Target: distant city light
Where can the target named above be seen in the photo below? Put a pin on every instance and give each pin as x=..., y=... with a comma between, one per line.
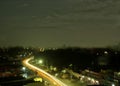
x=38, y=79
x=40, y=61
x=105, y=52
x=83, y=76
x=55, y=69
x=42, y=49
x=23, y=68
x=64, y=71
x=118, y=73
x=89, y=78
x=25, y=75
x=56, y=74
x=113, y=84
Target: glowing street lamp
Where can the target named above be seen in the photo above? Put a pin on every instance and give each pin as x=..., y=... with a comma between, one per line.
x=24, y=68
x=40, y=61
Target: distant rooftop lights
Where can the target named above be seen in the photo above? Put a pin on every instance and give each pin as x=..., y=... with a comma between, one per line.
x=105, y=52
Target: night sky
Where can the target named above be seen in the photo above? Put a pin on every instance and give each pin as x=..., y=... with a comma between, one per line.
x=54, y=23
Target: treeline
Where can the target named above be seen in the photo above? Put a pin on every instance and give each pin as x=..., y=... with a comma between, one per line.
x=72, y=57
x=14, y=52
x=82, y=58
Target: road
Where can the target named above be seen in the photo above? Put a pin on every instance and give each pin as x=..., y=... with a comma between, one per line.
x=42, y=73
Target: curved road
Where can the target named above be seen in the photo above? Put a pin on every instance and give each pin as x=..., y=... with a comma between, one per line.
x=42, y=73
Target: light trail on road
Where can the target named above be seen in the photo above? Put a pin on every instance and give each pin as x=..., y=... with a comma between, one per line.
x=41, y=72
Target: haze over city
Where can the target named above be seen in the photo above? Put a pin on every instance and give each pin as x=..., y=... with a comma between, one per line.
x=54, y=23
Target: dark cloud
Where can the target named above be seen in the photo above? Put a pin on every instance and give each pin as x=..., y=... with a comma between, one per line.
x=56, y=22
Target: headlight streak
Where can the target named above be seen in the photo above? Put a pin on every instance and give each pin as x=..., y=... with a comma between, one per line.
x=45, y=74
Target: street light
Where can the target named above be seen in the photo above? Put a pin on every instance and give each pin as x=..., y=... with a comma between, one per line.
x=105, y=52
x=23, y=68
x=113, y=84
x=40, y=61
